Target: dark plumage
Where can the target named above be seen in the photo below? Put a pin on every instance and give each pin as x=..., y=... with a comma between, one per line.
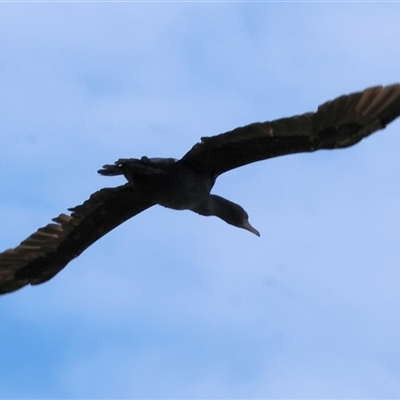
x=186, y=183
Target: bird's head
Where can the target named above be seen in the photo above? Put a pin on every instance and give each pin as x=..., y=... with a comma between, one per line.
x=231, y=213
x=239, y=217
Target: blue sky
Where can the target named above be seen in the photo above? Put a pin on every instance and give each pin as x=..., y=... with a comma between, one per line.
x=172, y=304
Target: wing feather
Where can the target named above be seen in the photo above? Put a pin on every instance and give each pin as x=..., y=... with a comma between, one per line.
x=338, y=123
x=47, y=251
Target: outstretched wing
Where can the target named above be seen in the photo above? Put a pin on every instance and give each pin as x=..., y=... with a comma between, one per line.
x=46, y=252
x=338, y=123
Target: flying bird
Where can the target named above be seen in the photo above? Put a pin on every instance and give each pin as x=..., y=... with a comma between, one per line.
x=186, y=184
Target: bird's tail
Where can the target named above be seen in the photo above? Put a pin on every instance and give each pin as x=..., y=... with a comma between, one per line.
x=110, y=170
x=129, y=166
x=114, y=169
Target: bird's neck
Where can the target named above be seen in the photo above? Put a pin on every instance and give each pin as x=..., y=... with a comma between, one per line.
x=217, y=206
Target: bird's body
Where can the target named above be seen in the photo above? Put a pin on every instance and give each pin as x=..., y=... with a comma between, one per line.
x=165, y=181
x=187, y=183
x=175, y=184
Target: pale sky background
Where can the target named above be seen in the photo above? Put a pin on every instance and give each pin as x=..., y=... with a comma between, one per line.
x=172, y=304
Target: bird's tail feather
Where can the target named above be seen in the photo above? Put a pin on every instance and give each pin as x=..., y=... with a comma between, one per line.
x=116, y=168
x=110, y=170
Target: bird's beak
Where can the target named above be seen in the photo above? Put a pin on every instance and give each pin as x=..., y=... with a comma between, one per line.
x=249, y=228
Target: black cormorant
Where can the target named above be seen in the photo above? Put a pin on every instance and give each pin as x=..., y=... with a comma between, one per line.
x=185, y=184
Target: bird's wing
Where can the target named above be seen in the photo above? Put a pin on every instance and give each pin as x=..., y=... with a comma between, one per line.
x=338, y=123
x=43, y=254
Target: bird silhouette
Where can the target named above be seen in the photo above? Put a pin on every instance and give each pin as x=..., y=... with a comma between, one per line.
x=186, y=184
